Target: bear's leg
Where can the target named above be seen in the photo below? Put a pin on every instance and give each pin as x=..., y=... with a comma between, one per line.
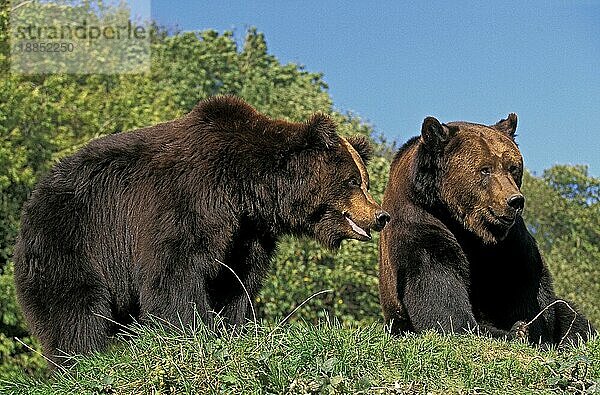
x=394, y=312
x=75, y=319
x=438, y=299
x=255, y=261
x=436, y=296
x=239, y=310
x=179, y=302
x=66, y=306
x=570, y=327
x=519, y=330
x=173, y=284
x=76, y=331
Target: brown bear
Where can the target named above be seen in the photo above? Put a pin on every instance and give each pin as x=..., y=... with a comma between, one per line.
x=139, y=224
x=457, y=255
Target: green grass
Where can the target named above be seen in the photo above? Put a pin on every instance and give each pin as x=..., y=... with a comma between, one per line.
x=324, y=359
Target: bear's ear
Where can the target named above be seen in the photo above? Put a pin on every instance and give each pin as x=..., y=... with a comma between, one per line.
x=363, y=146
x=321, y=132
x=436, y=134
x=508, y=125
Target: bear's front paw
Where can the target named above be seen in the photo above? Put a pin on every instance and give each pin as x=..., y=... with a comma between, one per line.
x=520, y=330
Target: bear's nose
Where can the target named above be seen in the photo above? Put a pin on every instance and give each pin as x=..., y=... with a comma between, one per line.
x=381, y=218
x=516, y=201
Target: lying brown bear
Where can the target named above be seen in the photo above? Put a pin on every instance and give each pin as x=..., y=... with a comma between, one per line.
x=138, y=224
x=457, y=254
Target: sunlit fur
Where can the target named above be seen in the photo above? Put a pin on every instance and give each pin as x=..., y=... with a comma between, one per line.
x=457, y=255
x=475, y=200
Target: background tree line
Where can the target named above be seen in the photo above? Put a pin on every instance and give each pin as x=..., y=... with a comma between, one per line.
x=46, y=117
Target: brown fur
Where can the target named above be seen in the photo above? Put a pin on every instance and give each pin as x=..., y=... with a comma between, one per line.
x=137, y=224
x=457, y=254
x=477, y=200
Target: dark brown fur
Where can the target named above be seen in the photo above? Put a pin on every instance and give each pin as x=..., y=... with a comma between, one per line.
x=136, y=224
x=457, y=254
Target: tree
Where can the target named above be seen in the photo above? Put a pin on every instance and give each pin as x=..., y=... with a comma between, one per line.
x=563, y=213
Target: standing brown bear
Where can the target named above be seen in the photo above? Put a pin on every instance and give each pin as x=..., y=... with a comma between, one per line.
x=457, y=254
x=138, y=224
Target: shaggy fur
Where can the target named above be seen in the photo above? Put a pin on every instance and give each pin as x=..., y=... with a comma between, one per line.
x=135, y=224
x=457, y=254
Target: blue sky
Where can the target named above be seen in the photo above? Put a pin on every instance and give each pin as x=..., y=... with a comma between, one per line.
x=394, y=63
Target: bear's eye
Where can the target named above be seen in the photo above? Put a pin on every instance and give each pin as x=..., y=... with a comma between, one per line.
x=353, y=182
x=486, y=171
x=514, y=169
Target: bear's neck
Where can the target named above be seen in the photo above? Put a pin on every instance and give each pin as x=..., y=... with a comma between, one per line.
x=281, y=199
x=425, y=176
x=296, y=190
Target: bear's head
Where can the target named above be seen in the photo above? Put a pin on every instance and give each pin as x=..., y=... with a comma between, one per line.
x=340, y=205
x=478, y=171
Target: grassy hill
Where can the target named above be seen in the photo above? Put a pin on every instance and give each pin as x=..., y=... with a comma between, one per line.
x=322, y=359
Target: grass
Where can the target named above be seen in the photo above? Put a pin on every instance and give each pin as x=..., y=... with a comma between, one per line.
x=323, y=359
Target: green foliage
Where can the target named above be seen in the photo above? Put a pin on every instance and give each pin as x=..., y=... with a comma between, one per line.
x=4, y=49
x=15, y=357
x=321, y=359
x=563, y=213
x=574, y=183
x=87, y=55
x=195, y=65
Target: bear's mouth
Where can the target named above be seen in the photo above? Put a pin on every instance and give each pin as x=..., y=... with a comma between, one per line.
x=357, y=229
x=506, y=221
x=503, y=220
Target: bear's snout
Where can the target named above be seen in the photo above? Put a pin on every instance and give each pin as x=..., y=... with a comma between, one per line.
x=516, y=202
x=381, y=219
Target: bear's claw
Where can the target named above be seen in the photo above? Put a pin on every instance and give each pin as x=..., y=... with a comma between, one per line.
x=520, y=330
